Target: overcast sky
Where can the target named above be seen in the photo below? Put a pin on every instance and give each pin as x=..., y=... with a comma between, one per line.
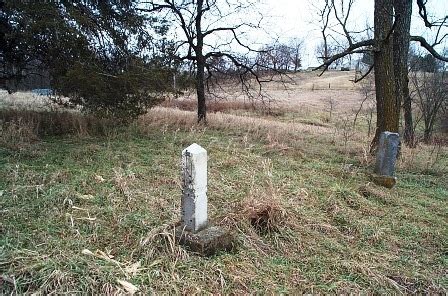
x=297, y=18
x=284, y=20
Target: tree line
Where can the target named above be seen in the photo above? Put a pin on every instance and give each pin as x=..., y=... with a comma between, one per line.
x=119, y=57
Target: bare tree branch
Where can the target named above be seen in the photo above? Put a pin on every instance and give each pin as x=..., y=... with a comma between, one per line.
x=343, y=23
x=199, y=20
x=422, y=11
x=364, y=75
x=359, y=47
x=429, y=48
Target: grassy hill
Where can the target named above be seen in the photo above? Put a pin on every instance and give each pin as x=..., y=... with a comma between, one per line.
x=89, y=208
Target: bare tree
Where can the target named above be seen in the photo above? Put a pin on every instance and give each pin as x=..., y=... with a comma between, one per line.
x=430, y=93
x=203, y=20
x=296, y=46
x=270, y=57
x=389, y=45
x=284, y=57
x=323, y=14
x=280, y=57
x=368, y=103
x=331, y=106
x=327, y=49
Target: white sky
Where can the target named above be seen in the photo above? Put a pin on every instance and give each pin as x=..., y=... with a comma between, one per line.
x=297, y=18
x=284, y=20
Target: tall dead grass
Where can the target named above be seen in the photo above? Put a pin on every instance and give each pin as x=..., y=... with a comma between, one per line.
x=276, y=130
x=214, y=106
x=19, y=128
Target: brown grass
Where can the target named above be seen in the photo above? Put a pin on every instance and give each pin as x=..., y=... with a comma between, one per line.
x=304, y=91
x=162, y=116
x=47, y=123
x=303, y=224
x=265, y=214
x=19, y=128
x=228, y=106
x=212, y=106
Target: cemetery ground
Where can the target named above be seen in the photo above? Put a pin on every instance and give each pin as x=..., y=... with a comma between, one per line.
x=89, y=207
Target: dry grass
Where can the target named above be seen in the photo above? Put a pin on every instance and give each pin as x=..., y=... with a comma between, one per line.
x=19, y=127
x=304, y=91
x=213, y=106
x=424, y=158
x=95, y=214
x=336, y=80
x=102, y=212
x=264, y=211
x=20, y=100
x=161, y=116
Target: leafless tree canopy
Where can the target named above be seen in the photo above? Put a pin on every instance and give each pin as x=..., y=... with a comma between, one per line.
x=281, y=57
x=210, y=35
x=356, y=41
x=389, y=46
x=430, y=94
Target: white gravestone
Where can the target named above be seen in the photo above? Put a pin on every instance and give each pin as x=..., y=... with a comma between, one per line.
x=194, y=188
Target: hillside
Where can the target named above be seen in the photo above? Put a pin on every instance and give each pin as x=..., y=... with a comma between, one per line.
x=87, y=205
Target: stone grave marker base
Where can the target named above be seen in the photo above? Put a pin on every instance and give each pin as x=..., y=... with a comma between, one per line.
x=385, y=181
x=206, y=242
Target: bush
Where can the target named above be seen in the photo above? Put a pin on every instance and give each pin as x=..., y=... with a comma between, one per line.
x=123, y=96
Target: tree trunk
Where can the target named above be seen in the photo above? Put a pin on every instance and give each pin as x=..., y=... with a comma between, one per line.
x=200, y=90
x=388, y=107
x=200, y=65
x=409, y=135
x=325, y=45
x=403, y=12
x=296, y=60
x=427, y=135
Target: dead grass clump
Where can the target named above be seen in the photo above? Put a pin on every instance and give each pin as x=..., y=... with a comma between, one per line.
x=424, y=159
x=31, y=124
x=414, y=285
x=17, y=134
x=121, y=182
x=161, y=242
x=265, y=215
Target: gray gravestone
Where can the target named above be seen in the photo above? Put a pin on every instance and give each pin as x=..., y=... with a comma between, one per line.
x=387, y=154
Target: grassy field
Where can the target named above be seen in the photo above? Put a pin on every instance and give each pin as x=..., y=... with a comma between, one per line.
x=93, y=210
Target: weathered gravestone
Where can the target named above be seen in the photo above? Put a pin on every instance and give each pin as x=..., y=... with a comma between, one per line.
x=386, y=157
x=194, y=188
x=194, y=231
